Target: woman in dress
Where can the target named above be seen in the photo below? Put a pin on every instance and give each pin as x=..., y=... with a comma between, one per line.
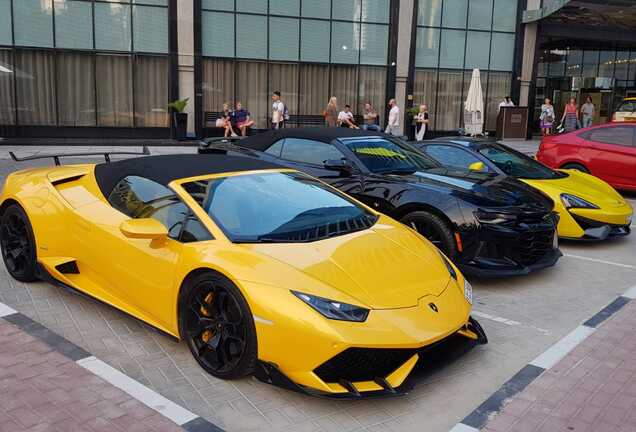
x=331, y=112
x=547, y=117
x=570, y=117
x=421, y=123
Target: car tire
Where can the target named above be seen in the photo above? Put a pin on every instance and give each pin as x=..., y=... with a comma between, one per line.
x=435, y=229
x=217, y=324
x=575, y=166
x=18, y=244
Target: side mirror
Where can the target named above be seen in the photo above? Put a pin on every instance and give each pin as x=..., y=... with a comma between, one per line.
x=146, y=228
x=340, y=165
x=477, y=166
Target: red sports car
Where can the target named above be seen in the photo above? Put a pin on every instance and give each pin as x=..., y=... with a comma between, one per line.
x=607, y=151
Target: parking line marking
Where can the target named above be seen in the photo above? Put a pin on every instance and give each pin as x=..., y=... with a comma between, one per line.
x=507, y=321
x=631, y=293
x=6, y=310
x=137, y=390
x=559, y=350
x=600, y=261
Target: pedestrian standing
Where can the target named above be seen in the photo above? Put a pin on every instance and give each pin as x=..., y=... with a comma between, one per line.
x=547, y=117
x=370, y=118
x=587, y=112
x=570, y=118
x=278, y=111
x=393, y=126
x=331, y=112
x=421, y=123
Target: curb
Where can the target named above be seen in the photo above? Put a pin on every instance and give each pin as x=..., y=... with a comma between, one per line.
x=474, y=421
x=173, y=412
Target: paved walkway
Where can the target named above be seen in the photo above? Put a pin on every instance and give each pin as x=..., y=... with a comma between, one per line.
x=43, y=390
x=592, y=389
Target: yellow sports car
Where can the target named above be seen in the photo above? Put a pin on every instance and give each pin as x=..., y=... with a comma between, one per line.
x=260, y=269
x=589, y=208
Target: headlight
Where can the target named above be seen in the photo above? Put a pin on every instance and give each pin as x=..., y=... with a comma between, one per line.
x=468, y=291
x=448, y=265
x=572, y=201
x=334, y=310
x=494, y=218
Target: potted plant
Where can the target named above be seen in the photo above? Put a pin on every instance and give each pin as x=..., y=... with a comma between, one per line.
x=179, y=117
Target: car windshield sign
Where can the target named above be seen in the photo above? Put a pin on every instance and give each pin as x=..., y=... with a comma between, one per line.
x=278, y=208
x=383, y=156
x=517, y=164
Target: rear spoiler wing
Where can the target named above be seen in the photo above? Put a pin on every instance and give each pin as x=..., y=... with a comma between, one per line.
x=56, y=157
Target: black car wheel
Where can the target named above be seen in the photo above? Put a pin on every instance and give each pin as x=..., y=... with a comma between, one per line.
x=435, y=229
x=575, y=166
x=216, y=322
x=18, y=244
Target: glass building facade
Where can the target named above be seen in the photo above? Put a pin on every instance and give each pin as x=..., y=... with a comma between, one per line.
x=607, y=76
x=84, y=63
x=453, y=37
x=307, y=50
x=110, y=67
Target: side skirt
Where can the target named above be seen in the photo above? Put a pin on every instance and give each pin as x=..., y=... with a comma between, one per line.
x=44, y=275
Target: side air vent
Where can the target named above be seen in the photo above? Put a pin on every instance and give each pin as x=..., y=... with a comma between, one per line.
x=68, y=268
x=66, y=180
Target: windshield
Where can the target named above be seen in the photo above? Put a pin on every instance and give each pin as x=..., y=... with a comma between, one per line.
x=278, y=208
x=627, y=106
x=384, y=156
x=517, y=164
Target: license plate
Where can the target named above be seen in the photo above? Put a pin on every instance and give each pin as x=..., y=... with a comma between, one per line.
x=555, y=241
x=468, y=292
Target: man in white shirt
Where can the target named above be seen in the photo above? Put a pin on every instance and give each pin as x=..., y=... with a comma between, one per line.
x=278, y=111
x=507, y=102
x=345, y=118
x=393, y=127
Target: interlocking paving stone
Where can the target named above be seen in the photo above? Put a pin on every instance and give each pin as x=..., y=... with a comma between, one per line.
x=556, y=299
x=44, y=389
x=592, y=389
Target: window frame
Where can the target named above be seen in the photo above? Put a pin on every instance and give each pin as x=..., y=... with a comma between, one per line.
x=284, y=144
x=184, y=222
x=590, y=134
x=478, y=157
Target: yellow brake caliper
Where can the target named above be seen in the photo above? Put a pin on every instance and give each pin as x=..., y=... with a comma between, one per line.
x=207, y=335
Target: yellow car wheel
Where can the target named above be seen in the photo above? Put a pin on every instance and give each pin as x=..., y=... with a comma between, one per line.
x=18, y=244
x=216, y=322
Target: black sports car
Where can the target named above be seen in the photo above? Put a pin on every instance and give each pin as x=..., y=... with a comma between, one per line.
x=488, y=224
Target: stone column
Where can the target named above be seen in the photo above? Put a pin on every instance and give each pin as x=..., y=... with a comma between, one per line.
x=403, y=58
x=529, y=50
x=185, y=36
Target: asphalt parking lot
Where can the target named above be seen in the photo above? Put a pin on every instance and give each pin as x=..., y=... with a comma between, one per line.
x=522, y=317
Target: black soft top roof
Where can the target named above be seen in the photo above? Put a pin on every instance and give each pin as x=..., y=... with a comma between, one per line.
x=263, y=141
x=165, y=168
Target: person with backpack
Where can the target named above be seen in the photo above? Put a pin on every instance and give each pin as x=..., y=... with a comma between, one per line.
x=279, y=111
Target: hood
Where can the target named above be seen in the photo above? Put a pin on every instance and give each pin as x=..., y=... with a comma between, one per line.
x=586, y=186
x=385, y=267
x=483, y=189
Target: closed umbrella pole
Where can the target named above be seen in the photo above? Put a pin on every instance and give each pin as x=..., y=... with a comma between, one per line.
x=474, y=106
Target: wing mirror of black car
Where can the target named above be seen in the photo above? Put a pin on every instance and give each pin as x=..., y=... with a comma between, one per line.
x=341, y=165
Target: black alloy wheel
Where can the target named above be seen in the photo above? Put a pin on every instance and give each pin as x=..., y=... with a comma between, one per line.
x=218, y=327
x=435, y=229
x=18, y=244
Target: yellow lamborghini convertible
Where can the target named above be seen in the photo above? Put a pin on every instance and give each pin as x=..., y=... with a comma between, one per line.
x=260, y=269
x=589, y=208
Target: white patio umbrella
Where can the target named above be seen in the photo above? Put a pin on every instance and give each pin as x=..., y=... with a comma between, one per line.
x=474, y=107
